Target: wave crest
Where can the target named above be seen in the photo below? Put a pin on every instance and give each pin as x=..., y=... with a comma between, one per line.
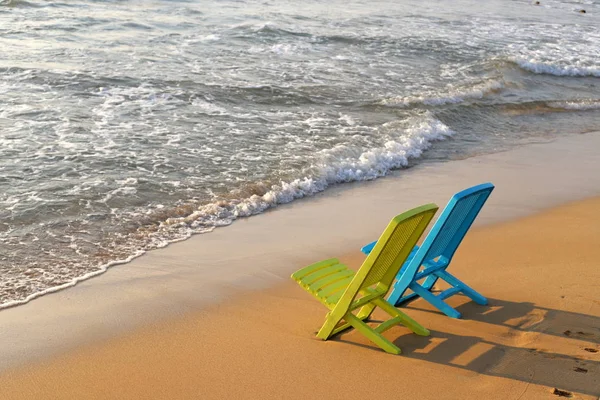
x=452, y=96
x=339, y=165
x=582, y=105
x=557, y=69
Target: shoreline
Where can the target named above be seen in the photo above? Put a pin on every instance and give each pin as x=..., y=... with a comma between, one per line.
x=539, y=333
x=261, y=251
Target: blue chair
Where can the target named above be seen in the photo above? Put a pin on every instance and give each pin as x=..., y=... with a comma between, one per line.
x=430, y=260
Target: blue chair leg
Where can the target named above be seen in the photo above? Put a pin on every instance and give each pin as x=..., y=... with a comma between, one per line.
x=429, y=281
x=452, y=280
x=434, y=300
x=406, y=299
x=396, y=296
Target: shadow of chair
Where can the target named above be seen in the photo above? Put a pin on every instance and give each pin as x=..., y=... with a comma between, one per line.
x=528, y=317
x=566, y=372
x=577, y=372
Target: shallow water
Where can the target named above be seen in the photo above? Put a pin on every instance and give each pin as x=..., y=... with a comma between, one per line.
x=126, y=126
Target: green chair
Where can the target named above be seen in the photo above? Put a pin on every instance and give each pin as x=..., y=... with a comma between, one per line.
x=343, y=291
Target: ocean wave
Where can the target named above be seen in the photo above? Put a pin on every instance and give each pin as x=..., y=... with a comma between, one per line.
x=208, y=108
x=339, y=165
x=267, y=28
x=557, y=69
x=582, y=105
x=18, y=3
x=452, y=96
x=273, y=30
x=160, y=226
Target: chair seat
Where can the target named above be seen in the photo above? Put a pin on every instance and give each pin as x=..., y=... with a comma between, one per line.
x=326, y=280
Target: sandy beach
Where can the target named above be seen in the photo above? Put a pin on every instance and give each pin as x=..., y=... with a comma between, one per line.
x=200, y=320
x=540, y=332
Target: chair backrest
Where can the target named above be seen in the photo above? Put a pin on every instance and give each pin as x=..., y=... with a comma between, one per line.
x=451, y=227
x=393, y=247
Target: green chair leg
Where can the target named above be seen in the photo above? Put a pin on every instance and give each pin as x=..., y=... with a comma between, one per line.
x=404, y=319
x=373, y=336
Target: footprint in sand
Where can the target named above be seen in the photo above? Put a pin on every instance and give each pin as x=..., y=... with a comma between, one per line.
x=531, y=320
x=580, y=334
x=562, y=393
x=535, y=351
x=590, y=349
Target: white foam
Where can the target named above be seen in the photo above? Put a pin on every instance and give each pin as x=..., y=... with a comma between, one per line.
x=127, y=181
x=210, y=38
x=260, y=27
x=452, y=95
x=558, y=68
x=283, y=48
x=205, y=107
x=123, y=191
x=347, y=119
x=71, y=283
x=315, y=121
x=341, y=57
x=340, y=164
x=576, y=105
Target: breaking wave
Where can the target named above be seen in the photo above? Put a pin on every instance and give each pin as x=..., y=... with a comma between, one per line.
x=340, y=165
x=556, y=69
x=582, y=105
x=336, y=165
x=452, y=96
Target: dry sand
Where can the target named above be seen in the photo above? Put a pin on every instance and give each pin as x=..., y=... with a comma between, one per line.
x=541, y=331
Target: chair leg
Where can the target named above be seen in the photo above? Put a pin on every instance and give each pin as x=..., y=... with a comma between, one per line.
x=434, y=300
x=404, y=319
x=405, y=299
x=396, y=296
x=373, y=336
x=366, y=311
x=347, y=325
x=452, y=280
x=429, y=282
x=329, y=326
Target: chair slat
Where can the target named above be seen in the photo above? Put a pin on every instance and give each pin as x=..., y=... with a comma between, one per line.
x=301, y=273
x=322, y=273
x=330, y=279
x=342, y=284
x=334, y=298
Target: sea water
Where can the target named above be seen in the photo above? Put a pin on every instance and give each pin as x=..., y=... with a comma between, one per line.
x=127, y=125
